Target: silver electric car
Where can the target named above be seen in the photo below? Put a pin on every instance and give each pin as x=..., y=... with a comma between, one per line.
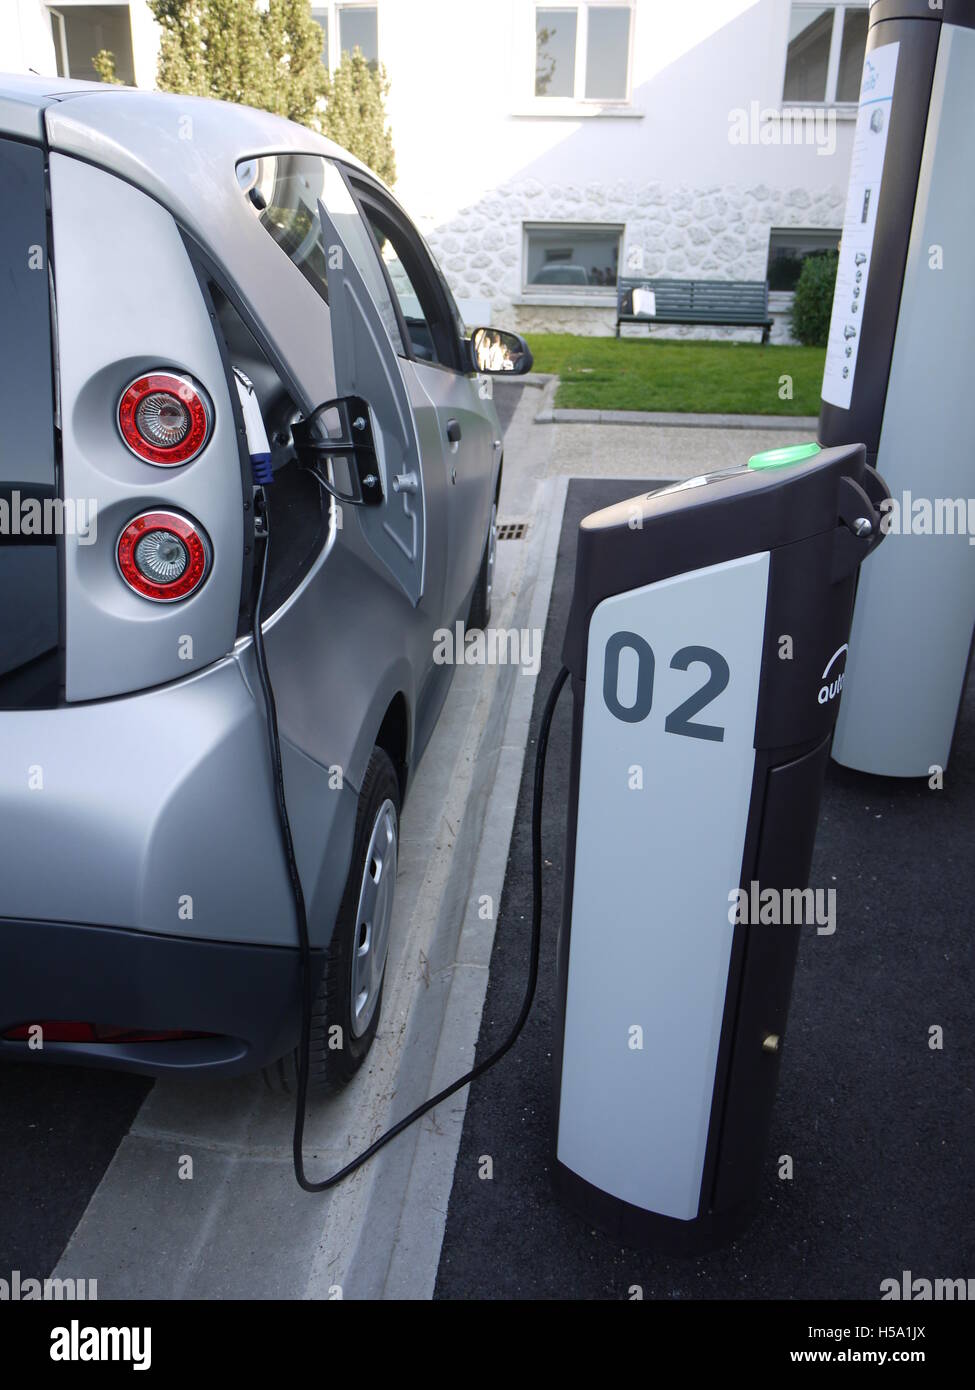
x=231, y=373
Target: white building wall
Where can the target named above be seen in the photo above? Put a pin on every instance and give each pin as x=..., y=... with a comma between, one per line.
x=145, y=44
x=477, y=158
x=26, y=41
x=478, y=155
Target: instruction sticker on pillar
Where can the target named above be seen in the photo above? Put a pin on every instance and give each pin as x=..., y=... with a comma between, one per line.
x=666, y=764
x=859, y=223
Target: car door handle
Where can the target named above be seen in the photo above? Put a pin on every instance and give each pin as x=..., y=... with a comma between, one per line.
x=453, y=431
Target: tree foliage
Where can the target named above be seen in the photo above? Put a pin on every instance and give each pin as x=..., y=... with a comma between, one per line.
x=544, y=62
x=237, y=50
x=269, y=56
x=104, y=64
x=355, y=113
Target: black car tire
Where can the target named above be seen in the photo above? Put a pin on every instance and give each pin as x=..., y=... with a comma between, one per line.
x=337, y=1051
x=480, y=610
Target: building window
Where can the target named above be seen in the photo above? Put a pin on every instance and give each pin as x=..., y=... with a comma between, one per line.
x=582, y=52
x=852, y=49
x=359, y=28
x=573, y=259
x=320, y=16
x=788, y=248
x=348, y=27
x=82, y=31
x=824, y=59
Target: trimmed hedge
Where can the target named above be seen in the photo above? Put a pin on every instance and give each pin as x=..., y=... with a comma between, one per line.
x=813, y=304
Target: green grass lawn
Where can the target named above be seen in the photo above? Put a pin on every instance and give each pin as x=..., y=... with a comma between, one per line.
x=711, y=378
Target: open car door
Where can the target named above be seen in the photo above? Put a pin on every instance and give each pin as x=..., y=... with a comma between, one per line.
x=364, y=444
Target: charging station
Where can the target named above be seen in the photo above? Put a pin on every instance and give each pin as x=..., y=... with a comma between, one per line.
x=706, y=645
x=898, y=377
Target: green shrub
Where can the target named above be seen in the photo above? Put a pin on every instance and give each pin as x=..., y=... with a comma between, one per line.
x=813, y=304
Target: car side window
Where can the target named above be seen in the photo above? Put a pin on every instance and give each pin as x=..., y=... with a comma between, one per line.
x=284, y=191
x=410, y=303
x=426, y=305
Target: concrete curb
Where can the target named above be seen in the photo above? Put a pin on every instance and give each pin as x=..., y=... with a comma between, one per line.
x=796, y=424
x=539, y=380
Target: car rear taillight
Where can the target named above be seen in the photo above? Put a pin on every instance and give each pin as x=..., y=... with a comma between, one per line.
x=163, y=556
x=165, y=419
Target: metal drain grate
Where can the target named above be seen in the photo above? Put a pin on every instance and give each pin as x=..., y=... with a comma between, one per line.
x=512, y=530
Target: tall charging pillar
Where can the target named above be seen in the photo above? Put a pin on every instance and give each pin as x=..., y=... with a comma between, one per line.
x=706, y=643
x=899, y=377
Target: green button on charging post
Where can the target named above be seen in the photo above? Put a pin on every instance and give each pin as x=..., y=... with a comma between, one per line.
x=782, y=458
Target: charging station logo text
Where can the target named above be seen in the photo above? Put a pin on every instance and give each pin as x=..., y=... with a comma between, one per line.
x=832, y=687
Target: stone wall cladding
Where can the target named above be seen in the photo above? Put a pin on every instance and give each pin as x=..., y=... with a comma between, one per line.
x=558, y=318
x=684, y=232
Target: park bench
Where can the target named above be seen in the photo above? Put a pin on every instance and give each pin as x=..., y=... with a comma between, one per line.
x=717, y=303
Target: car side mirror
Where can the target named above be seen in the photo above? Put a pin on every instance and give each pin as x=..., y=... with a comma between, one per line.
x=496, y=351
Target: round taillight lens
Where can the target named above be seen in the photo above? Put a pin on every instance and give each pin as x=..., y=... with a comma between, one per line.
x=165, y=419
x=163, y=556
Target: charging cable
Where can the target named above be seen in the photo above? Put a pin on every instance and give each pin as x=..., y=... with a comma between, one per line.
x=307, y=982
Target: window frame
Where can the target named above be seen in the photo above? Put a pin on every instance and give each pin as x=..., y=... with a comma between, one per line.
x=59, y=19
x=796, y=234
x=839, y=9
x=420, y=266
x=327, y=11
x=578, y=99
x=332, y=11
x=319, y=284
x=60, y=35
x=594, y=295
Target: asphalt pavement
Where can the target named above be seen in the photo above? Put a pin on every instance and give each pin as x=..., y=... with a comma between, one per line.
x=880, y=1127
x=59, y=1127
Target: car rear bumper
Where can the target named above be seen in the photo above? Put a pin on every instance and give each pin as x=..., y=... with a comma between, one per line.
x=245, y=995
x=156, y=812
